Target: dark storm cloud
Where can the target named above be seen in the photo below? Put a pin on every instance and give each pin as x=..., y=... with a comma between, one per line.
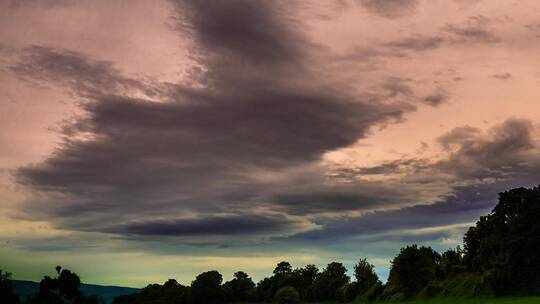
x=256, y=107
x=390, y=8
x=242, y=224
x=372, y=225
x=507, y=149
x=361, y=196
x=479, y=165
x=252, y=30
x=456, y=211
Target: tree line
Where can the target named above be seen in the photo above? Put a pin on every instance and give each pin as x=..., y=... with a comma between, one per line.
x=500, y=256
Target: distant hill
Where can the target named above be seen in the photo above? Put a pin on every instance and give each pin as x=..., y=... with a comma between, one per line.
x=24, y=289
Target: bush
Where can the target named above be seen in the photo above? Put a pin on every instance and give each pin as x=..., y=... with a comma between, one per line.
x=287, y=295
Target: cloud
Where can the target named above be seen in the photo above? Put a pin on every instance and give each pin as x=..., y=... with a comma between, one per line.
x=417, y=43
x=220, y=29
x=228, y=139
x=243, y=137
x=226, y=225
x=474, y=30
x=472, y=156
x=479, y=164
x=84, y=76
x=390, y=8
x=437, y=98
x=503, y=76
x=504, y=150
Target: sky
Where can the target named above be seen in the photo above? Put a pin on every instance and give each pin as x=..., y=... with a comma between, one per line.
x=147, y=140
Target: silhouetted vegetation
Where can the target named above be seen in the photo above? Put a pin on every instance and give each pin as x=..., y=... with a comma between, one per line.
x=7, y=296
x=62, y=289
x=505, y=244
x=287, y=295
x=412, y=269
x=501, y=256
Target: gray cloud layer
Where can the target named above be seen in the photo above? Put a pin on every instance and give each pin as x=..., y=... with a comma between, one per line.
x=203, y=147
x=246, y=134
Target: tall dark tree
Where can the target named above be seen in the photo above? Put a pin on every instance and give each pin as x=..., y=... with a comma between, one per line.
x=306, y=277
x=328, y=284
x=206, y=288
x=7, y=295
x=412, y=269
x=283, y=270
x=365, y=275
x=506, y=243
x=241, y=287
x=265, y=289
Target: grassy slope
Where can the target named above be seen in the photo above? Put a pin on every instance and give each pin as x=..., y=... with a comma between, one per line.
x=516, y=300
x=526, y=300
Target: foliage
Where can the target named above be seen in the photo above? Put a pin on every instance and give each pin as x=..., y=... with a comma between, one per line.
x=451, y=263
x=328, y=284
x=413, y=268
x=307, y=276
x=287, y=295
x=365, y=275
x=505, y=244
x=206, y=288
x=63, y=289
x=240, y=289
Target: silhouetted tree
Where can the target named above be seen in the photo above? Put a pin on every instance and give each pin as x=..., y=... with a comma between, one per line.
x=412, y=269
x=282, y=269
x=265, y=289
x=206, y=288
x=365, y=275
x=328, y=284
x=306, y=278
x=241, y=287
x=7, y=295
x=283, y=275
x=505, y=244
x=65, y=288
x=451, y=262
